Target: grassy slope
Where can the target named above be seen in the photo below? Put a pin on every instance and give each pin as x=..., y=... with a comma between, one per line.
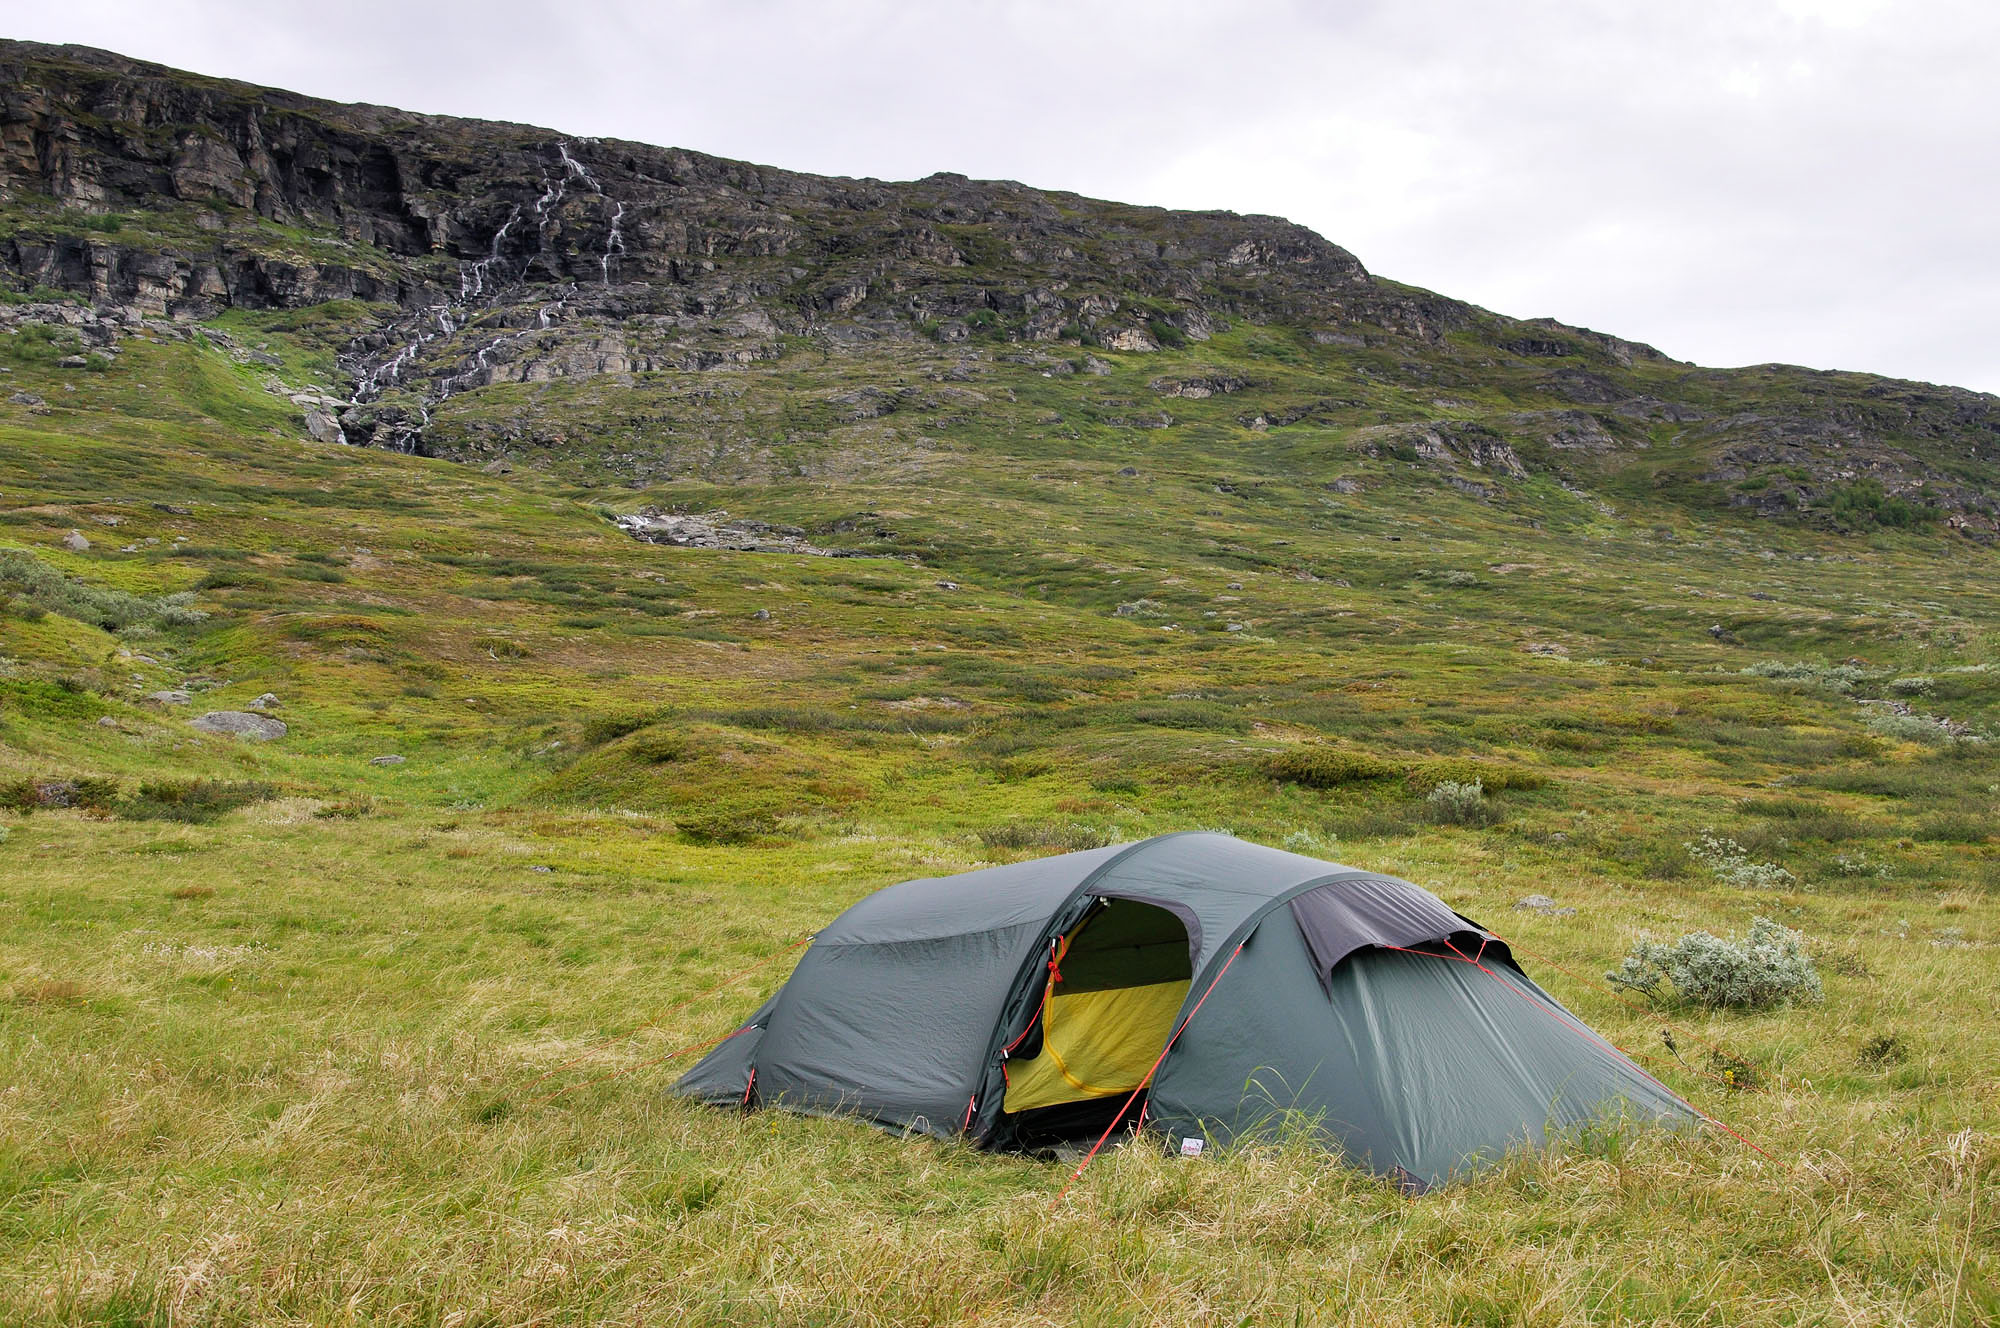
x=286, y=1065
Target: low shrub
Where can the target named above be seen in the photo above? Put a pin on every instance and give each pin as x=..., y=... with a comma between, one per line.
x=1834, y=677
x=726, y=825
x=1865, y=503
x=55, y=793
x=1908, y=728
x=1371, y=823
x=1730, y=863
x=1953, y=828
x=1768, y=967
x=1461, y=804
x=30, y=587
x=658, y=748
x=57, y=698
x=600, y=729
x=1860, y=864
x=1062, y=836
x=230, y=578
x=192, y=801
x=1428, y=775
x=1321, y=767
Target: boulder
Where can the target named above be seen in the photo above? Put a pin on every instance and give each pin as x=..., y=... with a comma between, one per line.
x=390, y=759
x=172, y=696
x=242, y=724
x=267, y=701
x=1544, y=905
x=26, y=399
x=75, y=542
x=323, y=427
x=1132, y=339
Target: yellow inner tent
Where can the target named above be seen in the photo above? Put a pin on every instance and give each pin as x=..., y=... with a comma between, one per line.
x=1115, y=984
x=1094, y=1044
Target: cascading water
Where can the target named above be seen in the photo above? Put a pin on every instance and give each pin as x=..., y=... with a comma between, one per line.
x=482, y=284
x=614, y=243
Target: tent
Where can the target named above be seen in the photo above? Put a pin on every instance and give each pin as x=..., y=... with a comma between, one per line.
x=1022, y=1006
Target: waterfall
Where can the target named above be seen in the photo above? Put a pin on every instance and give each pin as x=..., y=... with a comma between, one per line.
x=613, y=243
x=472, y=283
x=482, y=284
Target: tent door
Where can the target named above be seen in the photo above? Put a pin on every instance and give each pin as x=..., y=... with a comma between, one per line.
x=1120, y=977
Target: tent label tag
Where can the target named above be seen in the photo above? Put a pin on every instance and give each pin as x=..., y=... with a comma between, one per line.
x=1191, y=1147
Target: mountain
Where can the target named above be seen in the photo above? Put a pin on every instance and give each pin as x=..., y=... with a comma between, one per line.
x=609, y=310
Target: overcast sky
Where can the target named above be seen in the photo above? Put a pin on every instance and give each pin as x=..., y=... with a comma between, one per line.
x=1810, y=181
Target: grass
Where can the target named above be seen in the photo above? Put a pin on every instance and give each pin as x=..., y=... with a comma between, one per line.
x=286, y=1051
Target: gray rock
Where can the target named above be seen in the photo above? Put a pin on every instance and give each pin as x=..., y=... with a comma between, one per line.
x=323, y=427
x=391, y=759
x=172, y=696
x=75, y=542
x=718, y=530
x=265, y=702
x=107, y=722
x=1544, y=905
x=1093, y=365
x=947, y=585
x=1128, y=471
x=72, y=362
x=26, y=399
x=242, y=724
x=762, y=615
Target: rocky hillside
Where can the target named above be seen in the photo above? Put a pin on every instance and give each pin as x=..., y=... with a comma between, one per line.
x=503, y=294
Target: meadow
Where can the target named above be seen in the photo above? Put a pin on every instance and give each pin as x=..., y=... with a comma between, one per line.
x=292, y=1035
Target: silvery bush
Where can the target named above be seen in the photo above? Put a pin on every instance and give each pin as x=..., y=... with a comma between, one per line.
x=1766, y=968
x=1453, y=803
x=1729, y=863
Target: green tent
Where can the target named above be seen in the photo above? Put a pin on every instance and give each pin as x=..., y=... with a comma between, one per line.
x=1022, y=1006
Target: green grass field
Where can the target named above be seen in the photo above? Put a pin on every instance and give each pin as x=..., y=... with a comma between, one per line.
x=292, y=1037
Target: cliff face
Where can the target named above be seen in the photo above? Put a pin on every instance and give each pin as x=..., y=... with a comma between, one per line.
x=96, y=134
x=485, y=254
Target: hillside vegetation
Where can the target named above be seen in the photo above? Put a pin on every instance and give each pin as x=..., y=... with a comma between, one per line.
x=291, y=1032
